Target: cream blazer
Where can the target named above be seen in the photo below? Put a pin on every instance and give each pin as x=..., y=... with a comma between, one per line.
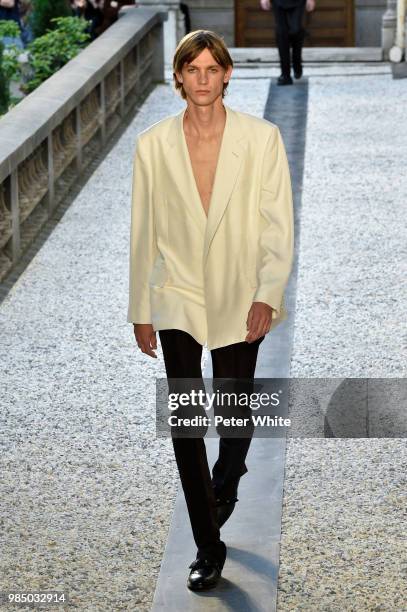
x=201, y=273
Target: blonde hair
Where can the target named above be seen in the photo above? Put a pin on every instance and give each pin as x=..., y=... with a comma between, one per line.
x=191, y=45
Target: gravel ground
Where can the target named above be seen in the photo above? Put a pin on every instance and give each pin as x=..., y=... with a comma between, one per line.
x=344, y=522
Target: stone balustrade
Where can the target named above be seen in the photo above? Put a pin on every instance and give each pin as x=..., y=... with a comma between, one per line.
x=50, y=137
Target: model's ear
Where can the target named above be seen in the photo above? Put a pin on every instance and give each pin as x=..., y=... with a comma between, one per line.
x=227, y=74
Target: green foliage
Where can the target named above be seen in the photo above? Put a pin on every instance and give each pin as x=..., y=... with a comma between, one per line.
x=9, y=27
x=46, y=55
x=10, y=65
x=50, y=52
x=44, y=12
x=4, y=85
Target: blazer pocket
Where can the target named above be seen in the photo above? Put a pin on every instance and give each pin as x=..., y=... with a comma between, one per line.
x=159, y=273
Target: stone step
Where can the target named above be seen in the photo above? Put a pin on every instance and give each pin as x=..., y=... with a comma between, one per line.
x=309, y=54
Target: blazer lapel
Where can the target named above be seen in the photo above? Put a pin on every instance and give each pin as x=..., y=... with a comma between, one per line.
x=179, y=166
x=230, y=159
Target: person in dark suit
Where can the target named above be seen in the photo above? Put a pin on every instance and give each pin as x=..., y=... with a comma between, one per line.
x=288, y=16
x=110, y=10
x=91, y=10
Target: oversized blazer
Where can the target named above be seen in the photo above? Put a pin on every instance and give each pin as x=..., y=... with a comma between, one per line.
x=202, y=273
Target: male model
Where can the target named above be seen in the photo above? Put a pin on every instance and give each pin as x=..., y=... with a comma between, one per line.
x=288, y=17
x=210, y=255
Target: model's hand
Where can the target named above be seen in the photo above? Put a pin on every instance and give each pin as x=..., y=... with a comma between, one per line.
x=310, y=5
x=265, y=5
x=258, y=321
x=146, y=338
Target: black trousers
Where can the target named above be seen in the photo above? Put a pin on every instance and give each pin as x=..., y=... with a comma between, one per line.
x=289, y=31
x=182, y=357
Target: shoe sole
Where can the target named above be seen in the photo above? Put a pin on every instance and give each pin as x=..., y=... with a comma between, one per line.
x=204, y=587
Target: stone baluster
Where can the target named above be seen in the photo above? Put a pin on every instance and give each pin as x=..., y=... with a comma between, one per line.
x=174, y=27
x=389, y=22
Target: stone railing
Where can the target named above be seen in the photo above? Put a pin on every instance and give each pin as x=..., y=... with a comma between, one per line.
x=51, y=136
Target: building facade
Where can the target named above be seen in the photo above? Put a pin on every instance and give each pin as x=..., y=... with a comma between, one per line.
x=334, y=23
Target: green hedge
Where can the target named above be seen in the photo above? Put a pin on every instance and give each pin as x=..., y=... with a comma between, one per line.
x=9, y=66
x=4, y=85
x=48, y=53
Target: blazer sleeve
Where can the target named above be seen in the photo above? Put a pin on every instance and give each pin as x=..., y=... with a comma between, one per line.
x=276, y=230
x=143, y=245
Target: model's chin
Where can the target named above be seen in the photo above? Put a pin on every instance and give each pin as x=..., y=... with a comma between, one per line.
x=203, y=99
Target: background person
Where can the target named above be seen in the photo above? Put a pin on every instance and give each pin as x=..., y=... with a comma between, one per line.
x=92, y=11
x=26, y=9
x=288, y=17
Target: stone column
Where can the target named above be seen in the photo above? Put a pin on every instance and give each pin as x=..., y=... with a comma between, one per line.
x=397, y=52
x=174, y=27
x=389, y=21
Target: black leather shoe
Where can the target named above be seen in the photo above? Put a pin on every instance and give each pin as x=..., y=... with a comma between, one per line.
x=205, y=573
x=284, y=80
x=224, y=509
x=298, y=72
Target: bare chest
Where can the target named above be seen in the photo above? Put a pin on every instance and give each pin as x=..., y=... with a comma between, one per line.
x=204, y=160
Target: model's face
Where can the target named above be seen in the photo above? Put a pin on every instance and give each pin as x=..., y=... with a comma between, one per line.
x=203, y=78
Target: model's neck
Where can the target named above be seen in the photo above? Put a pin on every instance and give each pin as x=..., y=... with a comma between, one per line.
x=204, y=121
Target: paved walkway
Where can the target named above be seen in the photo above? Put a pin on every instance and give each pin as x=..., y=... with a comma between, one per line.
x=87, y=492
x=250, y=576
